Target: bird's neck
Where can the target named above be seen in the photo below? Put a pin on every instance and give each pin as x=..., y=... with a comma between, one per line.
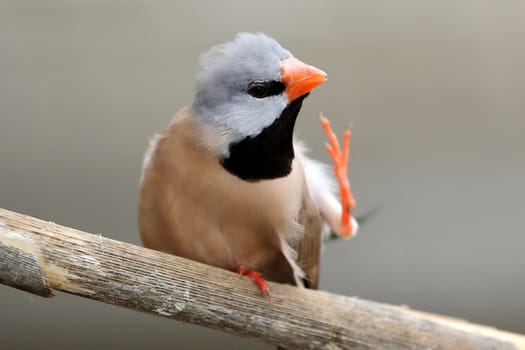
x=268, y=155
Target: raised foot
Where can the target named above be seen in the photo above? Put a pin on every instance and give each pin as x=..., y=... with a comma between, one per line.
x=258, y=279
x=340, y=160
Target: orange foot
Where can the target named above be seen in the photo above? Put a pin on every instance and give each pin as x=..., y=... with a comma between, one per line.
x=340, y=160
x=258, y=279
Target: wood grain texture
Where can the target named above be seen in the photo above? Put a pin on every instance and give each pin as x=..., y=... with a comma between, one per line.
x=38, y=256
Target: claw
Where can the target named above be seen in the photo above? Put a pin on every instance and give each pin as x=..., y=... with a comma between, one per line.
x=340, y=159
x=258, y=279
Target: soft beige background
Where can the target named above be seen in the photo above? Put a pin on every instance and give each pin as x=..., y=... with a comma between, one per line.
x=435, y=91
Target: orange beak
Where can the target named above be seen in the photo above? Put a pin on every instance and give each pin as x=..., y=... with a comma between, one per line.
x=300, y=78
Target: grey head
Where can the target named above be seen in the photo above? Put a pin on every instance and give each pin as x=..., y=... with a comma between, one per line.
x=229, y=103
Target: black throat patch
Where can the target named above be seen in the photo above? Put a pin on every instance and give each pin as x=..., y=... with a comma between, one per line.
x=268, y=155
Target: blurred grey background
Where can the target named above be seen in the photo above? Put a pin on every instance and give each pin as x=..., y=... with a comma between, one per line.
x=435, y=91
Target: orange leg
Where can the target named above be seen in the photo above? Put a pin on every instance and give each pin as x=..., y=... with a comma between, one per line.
x=340, y=159
x=258, y=279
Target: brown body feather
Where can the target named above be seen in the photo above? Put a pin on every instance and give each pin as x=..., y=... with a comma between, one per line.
x=192, y=207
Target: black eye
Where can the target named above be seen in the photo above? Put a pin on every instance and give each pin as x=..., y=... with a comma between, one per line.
x=258, y=90
x=262, y=89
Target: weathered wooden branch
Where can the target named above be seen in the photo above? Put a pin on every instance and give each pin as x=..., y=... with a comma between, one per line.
x=39, y=256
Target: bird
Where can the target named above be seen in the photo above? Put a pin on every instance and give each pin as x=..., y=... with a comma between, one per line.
x=227, y=184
